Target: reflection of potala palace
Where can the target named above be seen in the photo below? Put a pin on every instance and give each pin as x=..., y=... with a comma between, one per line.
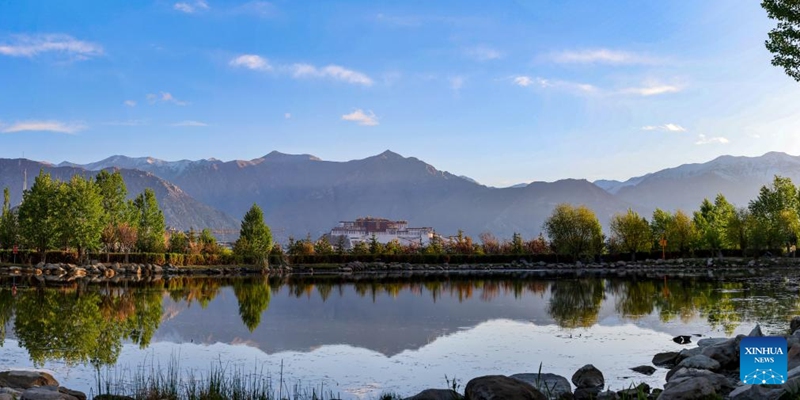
x=384, y=230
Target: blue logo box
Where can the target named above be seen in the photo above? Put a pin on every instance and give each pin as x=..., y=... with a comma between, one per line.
x=762, y=360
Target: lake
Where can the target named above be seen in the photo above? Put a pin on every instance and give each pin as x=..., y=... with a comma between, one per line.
x=365, y=335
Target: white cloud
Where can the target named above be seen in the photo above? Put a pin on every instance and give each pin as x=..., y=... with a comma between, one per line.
x=526, y=81
x=456, y=82
x=287, y=115
x=189, y=123
x=652, y=89
x=665, y=128
x=483, y=53
x=34, y=45
x=523, y=81
x=702, y=139
x=601, y=56
x=331, y=71
x=43, y=126
x=191, y=7
x=361, y=118
x=129, y=103
x=165, y=97
x=251, y=61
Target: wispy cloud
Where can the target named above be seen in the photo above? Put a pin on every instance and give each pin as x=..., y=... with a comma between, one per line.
x=703, y=139
x=129, y=103
x=191, y=7
x=165, y=97
x=526, y=81
x=456, y=82
x=602, y=56
x=665, y=128
x=652, y=89
x=189, y=123
x=251, y=61
x=34, y=45
x=331, y=71
x=483, y=53
x=358, y=116
x=43, y=126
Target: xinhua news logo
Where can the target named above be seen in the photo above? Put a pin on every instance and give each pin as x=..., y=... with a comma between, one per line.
x=762, y=360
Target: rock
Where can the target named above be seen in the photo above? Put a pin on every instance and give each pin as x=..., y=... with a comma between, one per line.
x=607, y=395
x=667, y=360
x=434, y=394
x=589, y=377
x=686, y=353
x=700, y=362
x=754, y=392
x=553, y=386
x=644, y=370
x=26, y=379
x=725, y=353
x=793, y=356
x=74, y=393
x=756, y=332
x=682, y=339
x=7, y=396
x=46, y=393
x=691, y=389
x=710, y=341
x=499, y=387
x=794, y=324
x=721, y=384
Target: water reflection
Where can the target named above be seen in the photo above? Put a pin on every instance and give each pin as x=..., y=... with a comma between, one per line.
x=88, y=323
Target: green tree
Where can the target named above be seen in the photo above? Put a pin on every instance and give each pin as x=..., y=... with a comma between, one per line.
x=9, y=228
x=253, y=297
x=659, y=227
x=117, y=210
x=38, y=218
x=208, y=243
x=739, y=228
x=682, y=233
x=784, y=39
x=711, y=222
x=149, y=223
x=574, y=231
x=323, y=246
x=632, y=232
x=178, y=243
x=517, y=244
x=82, y=215
x=255, y=237
x=776, y=213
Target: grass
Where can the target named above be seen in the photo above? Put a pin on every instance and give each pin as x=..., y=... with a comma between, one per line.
x=221, y=382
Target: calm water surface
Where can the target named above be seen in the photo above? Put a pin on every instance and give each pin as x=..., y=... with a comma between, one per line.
x=400, y=334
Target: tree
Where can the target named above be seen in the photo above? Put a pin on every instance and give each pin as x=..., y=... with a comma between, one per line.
x=659, y=227
x=784, y=39
x=208, y=243
x=776, y=213
x=255, y=238
x=82, y=217
x=323, y=246
x=149, y=223
x=739, y=228
x=38, y=222
x=517, y=244
x=574, y=231
x=682, y=232
x=117, y=211
x=9, y=229
x=632, y=232
x=711, y=223
x=178, y=243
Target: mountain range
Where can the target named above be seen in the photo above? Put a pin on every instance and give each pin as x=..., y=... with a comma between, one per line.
x=302, y=194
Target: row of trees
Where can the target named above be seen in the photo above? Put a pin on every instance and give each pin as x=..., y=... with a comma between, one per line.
x=88, y=215
x=770, y=222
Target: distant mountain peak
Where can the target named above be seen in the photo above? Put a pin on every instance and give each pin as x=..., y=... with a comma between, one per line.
x=390, y=155
x=284, y=157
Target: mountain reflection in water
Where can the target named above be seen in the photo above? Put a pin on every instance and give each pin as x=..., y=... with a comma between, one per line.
x=90, y=324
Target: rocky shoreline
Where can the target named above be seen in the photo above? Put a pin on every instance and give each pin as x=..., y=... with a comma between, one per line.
x=707, y=370
x=97, y=271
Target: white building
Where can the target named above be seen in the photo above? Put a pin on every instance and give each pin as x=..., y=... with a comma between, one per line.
x=384, y=231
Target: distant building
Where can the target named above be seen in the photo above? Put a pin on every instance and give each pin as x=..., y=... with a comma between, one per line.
x=384, y=231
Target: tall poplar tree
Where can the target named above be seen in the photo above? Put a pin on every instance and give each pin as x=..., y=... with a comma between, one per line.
x=38, y=222
x=150, y=223
x=255, y=237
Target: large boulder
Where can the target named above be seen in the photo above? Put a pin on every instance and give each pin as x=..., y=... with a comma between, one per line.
x=754, y=392
x=26, y=379
x=644, y=370
x=700, y=362
x=794, y=324
x=756, y=332
x=555, y=387
x=46, y=393
x=721, y=384
x=588, y=377
x=705, y=342
x=725, y=353
x=666, y=360
x=697, y=388
x=793, y=356
x=499, y=387
x=436, y=394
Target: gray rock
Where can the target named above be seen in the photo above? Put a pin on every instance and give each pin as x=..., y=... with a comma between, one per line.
x=607, y=395
x=720, y=383
x=667, y=360
x=686, y=353
x=46, y=393
x=756, y=332
x=644, y=369
x=26, y=379
x=589, y=377
x=725, y=353
x=551, y=385
x=6, y=396
x=705, y=342
x=74, y=393
x=754, y=392
x=690, y=389
x=794, y=324
x=436, y=394
x=700, y=362
x=499, y=387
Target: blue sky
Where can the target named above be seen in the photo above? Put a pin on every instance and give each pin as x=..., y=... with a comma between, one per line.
x=501, y=91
